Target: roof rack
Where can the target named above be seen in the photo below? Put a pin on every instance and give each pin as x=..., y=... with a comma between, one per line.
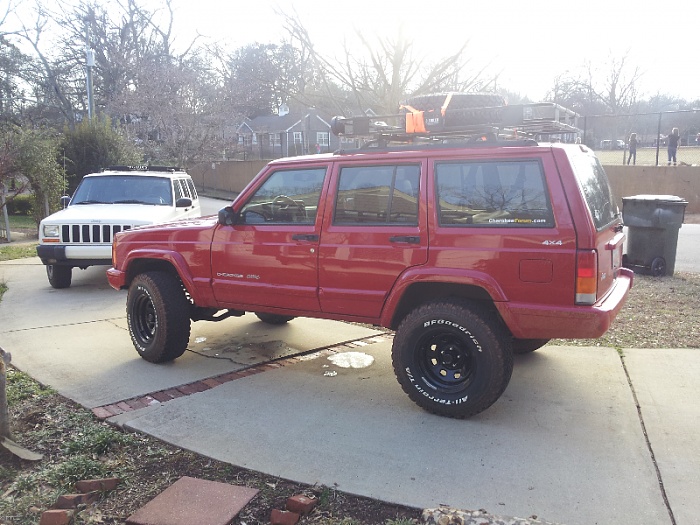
x=535, y=120
x=143, y=167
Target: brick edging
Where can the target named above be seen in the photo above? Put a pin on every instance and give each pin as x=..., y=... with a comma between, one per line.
x=163, y=396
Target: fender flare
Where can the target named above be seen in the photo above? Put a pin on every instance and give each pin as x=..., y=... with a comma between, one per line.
x=419, y=275
x=174, y=259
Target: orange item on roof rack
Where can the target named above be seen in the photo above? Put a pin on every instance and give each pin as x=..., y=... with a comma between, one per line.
x=415, y=123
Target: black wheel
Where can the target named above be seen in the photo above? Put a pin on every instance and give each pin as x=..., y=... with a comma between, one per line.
x=59, y=276
x=525, y=346
x=274, y=319
x=157, y=313
x=451, y=360
x=658, y=267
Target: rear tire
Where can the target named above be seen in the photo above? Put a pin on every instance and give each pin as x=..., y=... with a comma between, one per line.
x=157, y=314
x=452, y=359
x=273, y=318
x=59, y=276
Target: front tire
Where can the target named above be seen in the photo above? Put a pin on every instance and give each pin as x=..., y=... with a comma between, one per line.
x=451, y=359
x=157, y=314
x=59, y=276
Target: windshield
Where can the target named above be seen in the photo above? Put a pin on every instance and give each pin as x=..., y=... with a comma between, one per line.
x=124, y=189
x=596, y=190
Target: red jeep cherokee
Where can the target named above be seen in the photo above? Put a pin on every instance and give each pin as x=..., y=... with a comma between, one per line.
x=469, y=251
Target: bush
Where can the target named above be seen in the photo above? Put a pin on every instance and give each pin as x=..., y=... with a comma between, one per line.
x=20, y=205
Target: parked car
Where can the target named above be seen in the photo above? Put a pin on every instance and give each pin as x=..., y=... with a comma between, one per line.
x=470, y=250
x=613, y=144
x=117, y=199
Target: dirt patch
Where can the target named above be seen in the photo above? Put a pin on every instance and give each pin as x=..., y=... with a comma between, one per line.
x=661, y=312
x=67, y=434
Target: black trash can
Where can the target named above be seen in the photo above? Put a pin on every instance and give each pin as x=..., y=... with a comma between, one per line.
x=653, y=222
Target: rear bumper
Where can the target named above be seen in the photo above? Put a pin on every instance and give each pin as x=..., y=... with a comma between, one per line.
x=80, y=256
x=531, y=321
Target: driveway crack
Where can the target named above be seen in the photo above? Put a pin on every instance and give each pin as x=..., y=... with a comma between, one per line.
x=659, y=478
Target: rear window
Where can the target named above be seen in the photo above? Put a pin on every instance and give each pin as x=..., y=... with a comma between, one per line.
x=596, y=190
x=492, y=193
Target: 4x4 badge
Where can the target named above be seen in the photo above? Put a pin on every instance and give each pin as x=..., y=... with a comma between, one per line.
x=552, y=243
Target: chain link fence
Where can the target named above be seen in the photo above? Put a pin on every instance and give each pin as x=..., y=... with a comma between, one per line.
x=609, y=137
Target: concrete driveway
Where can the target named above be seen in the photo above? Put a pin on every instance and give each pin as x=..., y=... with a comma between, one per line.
x=581, y=435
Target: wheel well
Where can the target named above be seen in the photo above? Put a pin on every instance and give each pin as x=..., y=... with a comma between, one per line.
x=421, y=293
x=139, y=266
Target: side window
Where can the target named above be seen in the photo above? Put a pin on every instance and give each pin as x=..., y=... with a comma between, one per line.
x=193, y=190
x=375, y=195
x=507, y=194
x=286, y=197
x=596, y=190
x=180, y=191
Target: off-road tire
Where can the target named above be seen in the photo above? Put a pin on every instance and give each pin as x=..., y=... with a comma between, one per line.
x=525, y=346
x=157, y=314
x=452, y=358
x=273, y=318
x=464, y=109
x=59, y=276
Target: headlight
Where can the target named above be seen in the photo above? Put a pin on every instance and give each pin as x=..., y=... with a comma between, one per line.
x=51, y=230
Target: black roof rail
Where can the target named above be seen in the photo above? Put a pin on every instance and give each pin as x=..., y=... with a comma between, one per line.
x=517, y=121
x=379, y=146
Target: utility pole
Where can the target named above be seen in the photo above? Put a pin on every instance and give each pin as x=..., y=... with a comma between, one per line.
x=90, y=63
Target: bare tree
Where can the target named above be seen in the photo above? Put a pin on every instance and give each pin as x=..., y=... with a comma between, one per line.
x=52, y=77
x=384, y=71
x=610, y=89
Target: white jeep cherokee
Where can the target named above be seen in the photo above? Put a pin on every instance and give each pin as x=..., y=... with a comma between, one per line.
x=105, y=203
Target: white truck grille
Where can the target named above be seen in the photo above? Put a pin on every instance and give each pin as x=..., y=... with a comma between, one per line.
x=91, y=233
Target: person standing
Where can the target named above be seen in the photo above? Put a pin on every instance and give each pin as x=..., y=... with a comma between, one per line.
x=633, y=149
x=673, y=143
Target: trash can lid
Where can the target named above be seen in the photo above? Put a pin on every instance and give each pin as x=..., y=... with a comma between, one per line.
x=657, y=198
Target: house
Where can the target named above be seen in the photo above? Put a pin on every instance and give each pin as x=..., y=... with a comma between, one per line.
x=285, y=135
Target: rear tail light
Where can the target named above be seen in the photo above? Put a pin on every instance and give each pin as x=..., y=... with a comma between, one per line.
x=586, y=277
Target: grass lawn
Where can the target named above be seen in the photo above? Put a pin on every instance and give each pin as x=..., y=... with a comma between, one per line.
x=12, y=251
x=647, y=156
x=21, y=222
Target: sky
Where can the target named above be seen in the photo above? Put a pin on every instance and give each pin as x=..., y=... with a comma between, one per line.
x=524, y=43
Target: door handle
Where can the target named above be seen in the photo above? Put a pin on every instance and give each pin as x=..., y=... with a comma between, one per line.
x=305, y=237
x=409, y=239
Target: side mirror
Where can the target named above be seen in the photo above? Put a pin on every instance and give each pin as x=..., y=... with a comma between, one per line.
x=65, y=200
x=227, y=217
x=183, y=202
